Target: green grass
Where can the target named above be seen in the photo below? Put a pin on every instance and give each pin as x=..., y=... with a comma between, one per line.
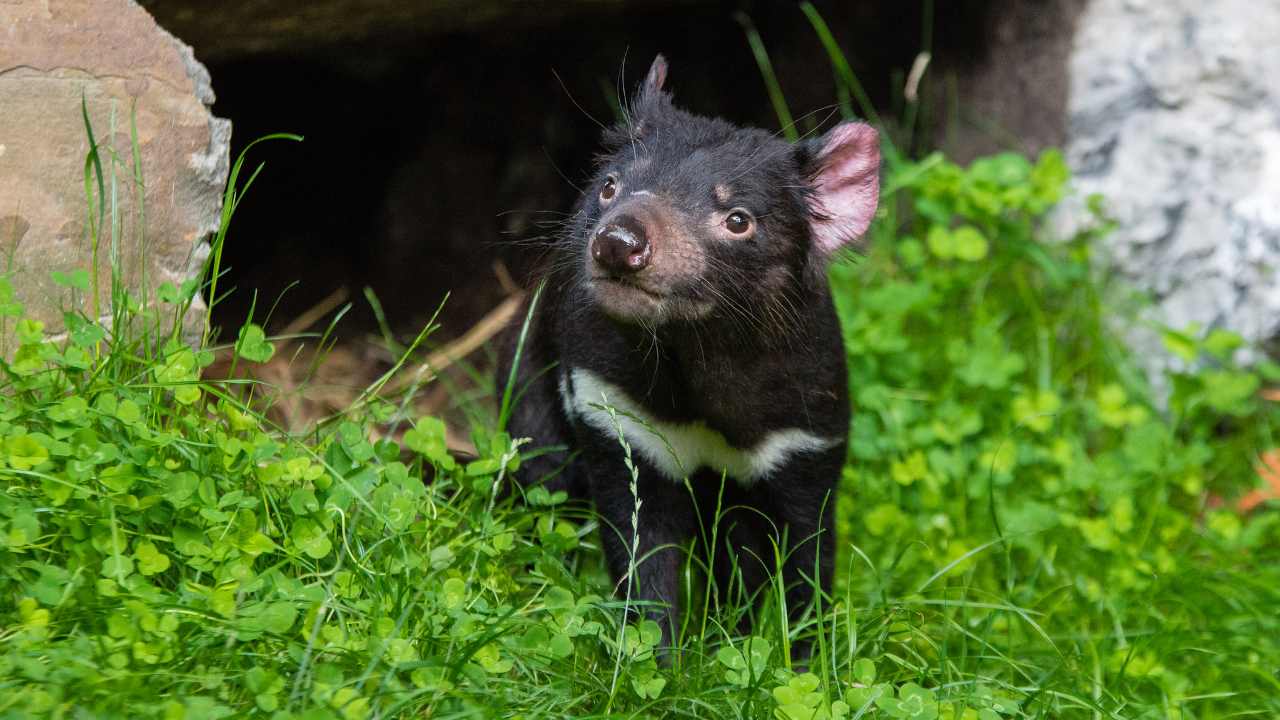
x=1024, y=531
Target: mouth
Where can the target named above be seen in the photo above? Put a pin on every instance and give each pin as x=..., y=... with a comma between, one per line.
x=627, y=285
x=628, y=301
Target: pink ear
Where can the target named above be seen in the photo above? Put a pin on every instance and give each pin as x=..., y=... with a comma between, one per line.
x=657, y=74
x=846, y=185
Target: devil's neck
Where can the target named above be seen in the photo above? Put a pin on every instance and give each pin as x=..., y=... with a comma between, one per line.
x=691, y=347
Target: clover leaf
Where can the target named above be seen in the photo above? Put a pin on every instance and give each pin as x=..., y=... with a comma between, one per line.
x=252, y=344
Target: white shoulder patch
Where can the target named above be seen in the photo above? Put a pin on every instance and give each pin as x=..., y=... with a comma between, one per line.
x=678, y=449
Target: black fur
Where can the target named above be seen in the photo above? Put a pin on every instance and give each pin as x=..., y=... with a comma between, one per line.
x=766, y=356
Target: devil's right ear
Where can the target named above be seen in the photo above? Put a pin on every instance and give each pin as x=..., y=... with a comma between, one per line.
x=656, y=78
x=646, y=106
x=650, y=96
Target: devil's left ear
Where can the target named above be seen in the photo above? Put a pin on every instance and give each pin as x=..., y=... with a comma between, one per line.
x=844, y=177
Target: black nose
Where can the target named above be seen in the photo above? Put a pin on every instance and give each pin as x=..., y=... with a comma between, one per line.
x=621, y=247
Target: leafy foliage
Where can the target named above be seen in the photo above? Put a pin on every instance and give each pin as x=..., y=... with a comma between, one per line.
x=1015, y=491
x=169, y=555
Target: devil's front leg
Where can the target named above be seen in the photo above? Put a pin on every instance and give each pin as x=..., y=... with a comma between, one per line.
x=802, y=500
x=536, y=411
x=644, y=544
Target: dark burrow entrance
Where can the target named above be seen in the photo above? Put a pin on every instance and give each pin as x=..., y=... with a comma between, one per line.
x=434, y=160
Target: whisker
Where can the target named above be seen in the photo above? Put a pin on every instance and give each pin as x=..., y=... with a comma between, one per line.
x=573, y=100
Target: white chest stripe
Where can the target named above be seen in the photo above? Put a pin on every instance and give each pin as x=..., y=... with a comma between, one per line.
x=678, y=449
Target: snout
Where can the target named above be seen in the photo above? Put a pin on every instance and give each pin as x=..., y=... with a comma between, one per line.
x=621, y=246
x=642, y=258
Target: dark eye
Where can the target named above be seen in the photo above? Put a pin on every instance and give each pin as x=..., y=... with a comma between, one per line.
x=738, y=222
x=609, y=190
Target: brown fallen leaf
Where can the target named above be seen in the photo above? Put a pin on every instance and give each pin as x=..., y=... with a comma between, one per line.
x=1269, y=471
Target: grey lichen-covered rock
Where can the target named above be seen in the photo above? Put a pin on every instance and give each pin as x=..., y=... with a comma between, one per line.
x=1175, y=118
x=111, y=54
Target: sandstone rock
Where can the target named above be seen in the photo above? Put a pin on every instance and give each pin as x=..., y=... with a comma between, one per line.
x=112, y=54
x=1175, y=119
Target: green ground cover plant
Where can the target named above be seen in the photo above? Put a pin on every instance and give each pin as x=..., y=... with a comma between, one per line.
x=1027, y=529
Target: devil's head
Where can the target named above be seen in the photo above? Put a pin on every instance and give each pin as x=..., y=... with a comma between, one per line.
x=691, y=218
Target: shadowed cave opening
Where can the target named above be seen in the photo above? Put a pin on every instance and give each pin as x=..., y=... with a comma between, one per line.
x=429, y=157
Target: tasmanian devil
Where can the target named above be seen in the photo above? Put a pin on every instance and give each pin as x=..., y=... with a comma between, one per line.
x=688, y=295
